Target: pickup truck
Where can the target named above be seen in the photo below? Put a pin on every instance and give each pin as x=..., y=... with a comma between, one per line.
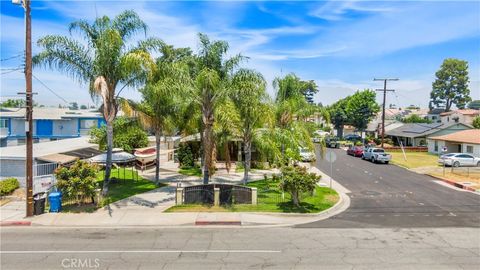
x=376, y=155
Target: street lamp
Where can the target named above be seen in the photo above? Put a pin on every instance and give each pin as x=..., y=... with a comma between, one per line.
x=29, y=102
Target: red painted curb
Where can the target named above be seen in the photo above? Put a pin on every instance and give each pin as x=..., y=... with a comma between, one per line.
x=455, y=184
x=16, y=223
x=200, y=223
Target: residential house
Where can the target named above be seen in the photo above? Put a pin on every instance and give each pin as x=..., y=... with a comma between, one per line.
x=465, y=141
x=459, y=116
x=49, y=124
x=415, y=134
x=434, y=115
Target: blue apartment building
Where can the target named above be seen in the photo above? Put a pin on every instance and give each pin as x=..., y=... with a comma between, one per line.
x=49, y=124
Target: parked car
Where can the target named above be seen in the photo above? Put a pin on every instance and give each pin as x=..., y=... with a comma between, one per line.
x=352, y=137
x=375, y=155
x=356, y=151
x=459, y=160
x=307, y=155
x=332, y=142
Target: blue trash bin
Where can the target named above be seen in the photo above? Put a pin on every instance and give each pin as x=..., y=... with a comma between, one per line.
x=55, y=201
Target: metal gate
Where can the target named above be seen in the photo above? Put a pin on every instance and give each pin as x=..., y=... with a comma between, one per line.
x=202, y=194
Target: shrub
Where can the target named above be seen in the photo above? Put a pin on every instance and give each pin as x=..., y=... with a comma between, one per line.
x=476, y=122
x=358, y=143
x=77, y=182
x=297, y=180
x=185, y=156
x=127, y=134
x=8, y=185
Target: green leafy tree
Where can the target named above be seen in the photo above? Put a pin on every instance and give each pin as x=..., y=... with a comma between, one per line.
x=292, y=86
x=249, y=96
x=476, y=122
x=105, y=59
x=162, y=98
x=339, y=115
x=451, y=84
x=288, y=130
x=13, y=103
x=361, y=108
x=211, y=75
x=475, y=104
x=128, y=135
x=415, y=118
x=296, y=180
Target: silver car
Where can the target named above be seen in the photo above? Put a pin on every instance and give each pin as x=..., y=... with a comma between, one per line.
x=459, y=160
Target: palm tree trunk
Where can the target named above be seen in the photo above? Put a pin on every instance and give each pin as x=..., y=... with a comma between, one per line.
x=207, y=151
x=108, y=163
x=157, y=162
x=248, y=157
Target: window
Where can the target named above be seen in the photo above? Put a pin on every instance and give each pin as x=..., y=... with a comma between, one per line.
x=470, y=149
x=464, y=156
x=436, y=146
x=87, y=124
x=3, y=123
x=378, y=151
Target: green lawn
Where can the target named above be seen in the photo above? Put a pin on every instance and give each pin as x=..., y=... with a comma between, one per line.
x=124, y=183
x=270, y=200
x=414, y=159
x=194, y=171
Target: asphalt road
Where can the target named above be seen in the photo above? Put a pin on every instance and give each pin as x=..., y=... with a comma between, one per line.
x=265, y=248
x=390, y=196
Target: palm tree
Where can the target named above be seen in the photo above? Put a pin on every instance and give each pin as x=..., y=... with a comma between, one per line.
x=162, y=100
x=104, y=62
x=211, y=76
x=250, y=97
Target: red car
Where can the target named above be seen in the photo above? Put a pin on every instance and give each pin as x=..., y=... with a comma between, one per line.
x=355, y=151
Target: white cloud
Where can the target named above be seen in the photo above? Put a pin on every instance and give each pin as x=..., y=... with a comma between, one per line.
x=337, y=10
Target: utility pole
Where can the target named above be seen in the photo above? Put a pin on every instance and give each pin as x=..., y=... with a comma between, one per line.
x=29, y=105
x=384, y=90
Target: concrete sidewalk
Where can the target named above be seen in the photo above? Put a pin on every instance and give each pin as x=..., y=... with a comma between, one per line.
x=147, y=209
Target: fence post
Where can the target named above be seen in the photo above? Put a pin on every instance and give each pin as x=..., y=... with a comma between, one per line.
x=179, y=196
x=216, y=196
x=254, y=196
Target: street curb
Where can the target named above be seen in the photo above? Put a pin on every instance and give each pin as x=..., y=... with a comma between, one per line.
x=15, y=223
x=453, y=183
x=221, y=223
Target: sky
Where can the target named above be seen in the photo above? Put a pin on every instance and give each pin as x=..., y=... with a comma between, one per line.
x=341, y=45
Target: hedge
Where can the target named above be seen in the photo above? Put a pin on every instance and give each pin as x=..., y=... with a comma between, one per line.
x=8, y=185
x=407, y=149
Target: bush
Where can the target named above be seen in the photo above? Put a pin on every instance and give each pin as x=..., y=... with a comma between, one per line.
x=185, y=156
x=8, y=185
x=127, y=134
x=77, y=182
x=297, y=180
x=476, y=122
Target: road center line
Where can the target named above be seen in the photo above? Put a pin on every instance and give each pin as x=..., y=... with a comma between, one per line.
x=135, y=251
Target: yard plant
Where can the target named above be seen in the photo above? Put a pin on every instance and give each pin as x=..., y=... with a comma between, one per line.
x=296, y=180
x=77, y=182
x=8, y=185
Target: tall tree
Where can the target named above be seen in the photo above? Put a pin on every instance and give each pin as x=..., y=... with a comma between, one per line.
x=162, y=100
x=361, y=108
x=104, y=60
x=451, y=84
x=211, y=74
x=292, y=86
x=249, y=96
x=339, y=115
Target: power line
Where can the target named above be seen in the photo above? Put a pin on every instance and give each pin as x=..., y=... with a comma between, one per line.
x=49, y=89
x=11, y=57
x=11, y=70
